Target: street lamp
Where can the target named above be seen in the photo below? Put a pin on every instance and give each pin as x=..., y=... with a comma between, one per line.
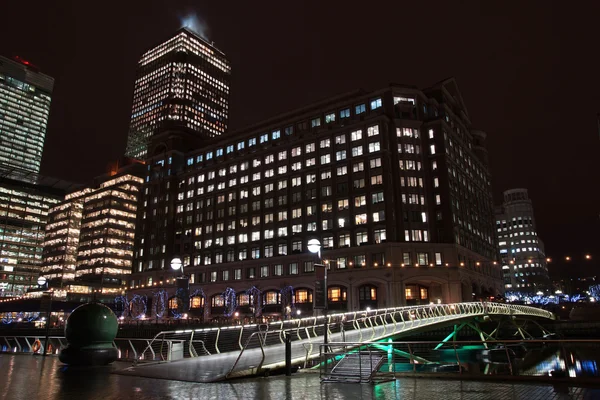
x=47, y=305
x=183, y=285
x=314, y=246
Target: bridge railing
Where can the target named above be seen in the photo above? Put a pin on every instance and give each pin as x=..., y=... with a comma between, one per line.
x=350, y=362
x=357, y=326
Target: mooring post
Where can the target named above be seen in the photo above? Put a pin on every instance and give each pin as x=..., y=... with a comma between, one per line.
x=288, y=355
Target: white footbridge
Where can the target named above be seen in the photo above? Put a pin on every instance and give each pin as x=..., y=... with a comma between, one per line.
x=214, y=354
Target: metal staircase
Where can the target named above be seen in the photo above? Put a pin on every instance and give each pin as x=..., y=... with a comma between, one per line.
x=359, y=367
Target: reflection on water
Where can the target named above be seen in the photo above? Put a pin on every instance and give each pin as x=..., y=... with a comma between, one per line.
x=527, y=359
x=572, y=361
x=29, y=377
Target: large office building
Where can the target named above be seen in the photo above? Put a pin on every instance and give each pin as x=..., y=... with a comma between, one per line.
x=182, y=82
x=393, y=183
x=25, y=95
x=89, y=239
x=521, y=250
x=24, y=210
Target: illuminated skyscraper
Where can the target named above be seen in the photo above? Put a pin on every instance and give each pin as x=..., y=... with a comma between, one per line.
x=182, y=82
x=24, y=108
x=89, y=237
x=24, y=208
x=521, y=250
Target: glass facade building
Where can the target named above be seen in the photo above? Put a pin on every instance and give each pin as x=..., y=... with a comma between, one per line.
x=89, y=237
x=23, y=215
x=182, y=82
x=25, y=96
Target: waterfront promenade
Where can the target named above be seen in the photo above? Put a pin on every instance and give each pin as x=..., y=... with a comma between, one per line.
x=27, y=377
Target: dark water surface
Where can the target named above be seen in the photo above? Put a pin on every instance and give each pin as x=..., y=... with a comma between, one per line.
x=32, y=377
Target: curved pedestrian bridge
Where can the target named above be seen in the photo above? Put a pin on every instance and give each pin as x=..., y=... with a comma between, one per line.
x=208, y=355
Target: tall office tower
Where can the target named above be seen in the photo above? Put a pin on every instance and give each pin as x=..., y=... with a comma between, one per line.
x=23, y=215
x=25, y=96
x=521, y=250
x=388, y=181
x=89, y=237
x=182, y=82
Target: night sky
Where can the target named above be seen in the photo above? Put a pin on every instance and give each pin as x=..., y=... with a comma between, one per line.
x=528, y=71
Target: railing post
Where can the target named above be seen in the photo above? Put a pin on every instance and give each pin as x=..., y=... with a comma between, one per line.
x=457, y=357
x=217, y=341
x=510, y=367
x=412, y=361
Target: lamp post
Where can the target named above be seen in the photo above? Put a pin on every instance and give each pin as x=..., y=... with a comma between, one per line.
x=314, y=246
x=47, y=302
x=182, y=284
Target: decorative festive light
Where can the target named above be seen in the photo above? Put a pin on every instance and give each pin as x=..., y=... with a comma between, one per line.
x=160, y=300
x=121, y=306
x=138, y=307
x=256, y=298
x=287, y=296
x=230, y=300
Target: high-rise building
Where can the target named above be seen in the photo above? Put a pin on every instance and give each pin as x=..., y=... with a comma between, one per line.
x=23, y=215
x=182, y=82
x=25, y=95
x=388, y=181
x=90, y=235
x=521, y=250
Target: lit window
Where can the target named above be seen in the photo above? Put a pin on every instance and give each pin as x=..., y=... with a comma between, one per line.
x=373, y=130
x=375, y=104
x=374, y=146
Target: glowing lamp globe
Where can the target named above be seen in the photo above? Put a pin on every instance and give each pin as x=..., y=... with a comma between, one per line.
x=41, y=281
x=314, y=246
x=176, y=263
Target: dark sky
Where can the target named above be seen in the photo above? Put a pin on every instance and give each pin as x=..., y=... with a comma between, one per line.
x=528, y=71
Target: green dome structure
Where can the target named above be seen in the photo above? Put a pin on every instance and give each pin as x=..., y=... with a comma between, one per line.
x=90, y=331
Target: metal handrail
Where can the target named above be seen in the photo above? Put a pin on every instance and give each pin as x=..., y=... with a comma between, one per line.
x=260, y=341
